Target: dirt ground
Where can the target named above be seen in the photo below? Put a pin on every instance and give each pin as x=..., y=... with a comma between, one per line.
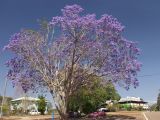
x=133, y=115
x=126, y=115
x=39, y=117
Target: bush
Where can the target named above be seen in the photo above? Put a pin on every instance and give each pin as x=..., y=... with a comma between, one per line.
x=153, y=107
x=114, y=108
x=111, y=109
x=140, y=108
x=5, y=110
x=129, y=108
x=41, y=105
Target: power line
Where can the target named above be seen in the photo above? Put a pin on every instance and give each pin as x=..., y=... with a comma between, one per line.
x=157, y=74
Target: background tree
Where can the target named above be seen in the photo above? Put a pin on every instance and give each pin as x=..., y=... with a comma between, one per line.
x=90, y=99
x=158, y=102
x=112, y=93
x=63, y=54
x=6, y=104
x=41, y=105
x=7, y=100
x=153, y=107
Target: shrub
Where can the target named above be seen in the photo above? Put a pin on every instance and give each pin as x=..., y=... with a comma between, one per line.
x=5, y=110
x=41, y=105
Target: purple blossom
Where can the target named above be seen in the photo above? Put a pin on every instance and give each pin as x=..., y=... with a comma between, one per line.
x=71, y=11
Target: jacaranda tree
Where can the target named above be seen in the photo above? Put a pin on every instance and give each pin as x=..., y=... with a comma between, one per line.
x=64, y=53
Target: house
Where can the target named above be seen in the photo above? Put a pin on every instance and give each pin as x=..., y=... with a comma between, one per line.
x=133, y=102
x=26, y=104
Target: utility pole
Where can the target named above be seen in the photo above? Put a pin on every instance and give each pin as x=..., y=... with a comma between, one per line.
x=4, y=93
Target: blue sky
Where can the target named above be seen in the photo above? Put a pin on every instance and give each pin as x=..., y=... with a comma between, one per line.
x=140, y=17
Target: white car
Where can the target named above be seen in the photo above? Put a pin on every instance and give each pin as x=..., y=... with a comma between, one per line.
x=103, y=110
x=34, y=112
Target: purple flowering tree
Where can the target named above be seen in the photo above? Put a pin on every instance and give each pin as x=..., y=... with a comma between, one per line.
x=63, y=55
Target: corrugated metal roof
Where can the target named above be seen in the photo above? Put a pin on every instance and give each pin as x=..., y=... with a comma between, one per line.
x=25, y=98
x=138, y=99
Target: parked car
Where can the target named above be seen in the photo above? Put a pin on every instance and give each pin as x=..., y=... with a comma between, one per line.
x=74, y=114
x=103, y=110
x=34, y=112
x=97, y=114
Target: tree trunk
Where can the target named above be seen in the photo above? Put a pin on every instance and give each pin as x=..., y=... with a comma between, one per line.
x=63, y=115
x=61, y=107
x=65, y=112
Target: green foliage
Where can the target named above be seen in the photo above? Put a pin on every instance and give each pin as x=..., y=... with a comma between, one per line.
x=111, y=108
x=127, y=107
x=1, y=99
x=114, y=107
x=153, y=107
x=140, y=108
x=6, y=104
x=41, y=105
x=5, y=109
x=158, y=102
x=111, y=92
x=89, y=99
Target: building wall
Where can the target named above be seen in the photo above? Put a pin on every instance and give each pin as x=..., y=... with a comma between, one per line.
x=135, y=105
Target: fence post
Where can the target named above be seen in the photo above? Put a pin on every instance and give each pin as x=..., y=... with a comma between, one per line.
x=52, y=115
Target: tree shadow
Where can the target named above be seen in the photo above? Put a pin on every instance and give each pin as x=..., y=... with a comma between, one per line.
x=109, y=117
x=120, y=117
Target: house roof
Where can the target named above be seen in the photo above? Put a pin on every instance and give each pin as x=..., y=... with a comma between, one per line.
x=25, y=98
x=131, y=99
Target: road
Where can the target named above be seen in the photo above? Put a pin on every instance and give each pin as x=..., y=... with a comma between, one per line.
x=152, y=115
